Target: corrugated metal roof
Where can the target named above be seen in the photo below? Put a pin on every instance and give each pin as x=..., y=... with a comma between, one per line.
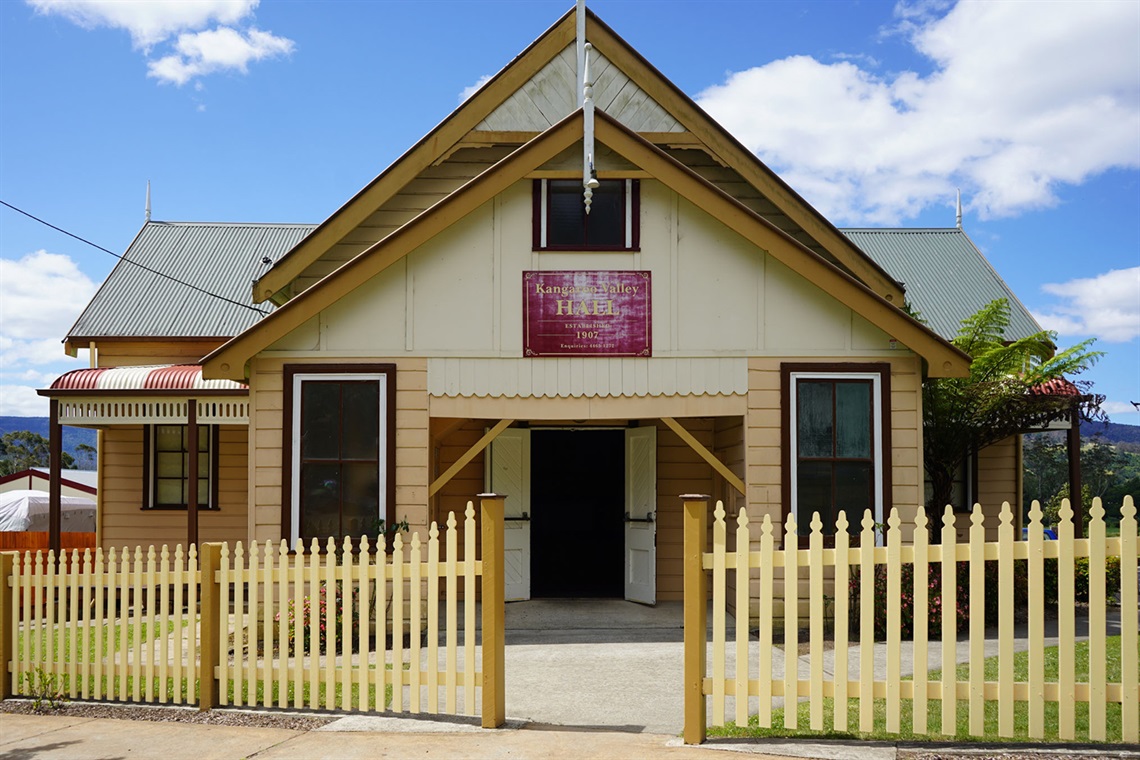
x=220, y=258
x=161, y=377
x=946, y=277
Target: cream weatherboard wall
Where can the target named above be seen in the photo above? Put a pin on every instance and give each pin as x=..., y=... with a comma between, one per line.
x=123, y=522
x=142, y=353
x=999, y=481
x=714, y=293
x=449, y=315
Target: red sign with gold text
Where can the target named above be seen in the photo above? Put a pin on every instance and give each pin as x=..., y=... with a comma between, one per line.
x=587, y=314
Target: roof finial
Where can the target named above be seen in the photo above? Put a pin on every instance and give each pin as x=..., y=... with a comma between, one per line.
x=589, y=175
x=958, y=218
x=148, y=200
x=580, y=19
x=586, y=103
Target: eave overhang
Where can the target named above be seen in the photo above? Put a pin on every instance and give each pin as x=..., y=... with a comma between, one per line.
x=943, y=359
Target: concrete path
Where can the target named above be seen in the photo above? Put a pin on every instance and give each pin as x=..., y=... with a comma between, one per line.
x=24, y=737
x=618, y=665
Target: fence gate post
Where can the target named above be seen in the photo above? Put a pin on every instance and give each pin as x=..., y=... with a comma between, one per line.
x=211, y=602
x=494, y=591
x=7, y=615
x=696, y=615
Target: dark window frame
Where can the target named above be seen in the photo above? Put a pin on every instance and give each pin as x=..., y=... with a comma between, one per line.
x=968, y=468
x=289, y=410
x=212, y=435
x=631, y=204
x=881, y=449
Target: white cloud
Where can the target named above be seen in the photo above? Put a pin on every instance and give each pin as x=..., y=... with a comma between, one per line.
x=1118, y=409
x=179, y=27
x=149, y=22
x=1106, y=306
x=469, y=91
x=22, y=401
x=32, y=325
x=18, y=397
x=1009, y=117
x=200, y=53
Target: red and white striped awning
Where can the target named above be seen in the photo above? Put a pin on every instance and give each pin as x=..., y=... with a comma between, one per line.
x=152, y=395
x=166, y=377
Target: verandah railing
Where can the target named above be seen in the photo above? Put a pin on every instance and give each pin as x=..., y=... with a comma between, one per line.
x=351, y=627
x=746, y=669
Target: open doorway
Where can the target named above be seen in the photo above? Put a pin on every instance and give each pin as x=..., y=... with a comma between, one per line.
x=577, y=502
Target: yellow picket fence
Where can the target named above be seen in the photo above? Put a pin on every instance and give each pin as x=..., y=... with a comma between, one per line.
x=346, y=627
x=743, y=668
x=112, y=625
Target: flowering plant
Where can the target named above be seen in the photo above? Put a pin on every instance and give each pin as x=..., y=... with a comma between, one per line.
x=328, y=617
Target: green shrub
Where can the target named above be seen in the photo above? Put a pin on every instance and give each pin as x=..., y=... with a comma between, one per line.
x=45, y=689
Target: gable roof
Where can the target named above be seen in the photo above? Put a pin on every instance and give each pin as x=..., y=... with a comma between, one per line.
x=216, y=257
x=947, y=278
x=708, y=135
x=81, y=480
x=944, y=359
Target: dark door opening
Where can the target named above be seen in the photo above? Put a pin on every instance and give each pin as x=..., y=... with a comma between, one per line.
x=577, y=501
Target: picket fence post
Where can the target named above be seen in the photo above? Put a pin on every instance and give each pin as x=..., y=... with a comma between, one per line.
x=494, y=591
x=7, y=642
x=696, y=508
x=211, y=603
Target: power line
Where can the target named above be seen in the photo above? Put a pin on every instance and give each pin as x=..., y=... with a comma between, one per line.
x=134, y=263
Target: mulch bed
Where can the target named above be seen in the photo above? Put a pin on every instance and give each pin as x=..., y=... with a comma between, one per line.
x=227, y=717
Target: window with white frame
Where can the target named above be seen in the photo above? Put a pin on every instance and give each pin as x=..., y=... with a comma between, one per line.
x=836, y=452
x=561, y=221
x=340, y=450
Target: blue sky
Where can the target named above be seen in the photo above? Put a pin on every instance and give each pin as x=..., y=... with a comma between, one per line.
x=280, y=111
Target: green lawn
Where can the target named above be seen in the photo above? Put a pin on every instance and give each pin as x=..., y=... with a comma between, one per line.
x=934, y=715
x=107, y=639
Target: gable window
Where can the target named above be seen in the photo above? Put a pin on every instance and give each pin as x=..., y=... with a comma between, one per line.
x=835, y=447
x=561, y=221
x=167, y=466
x=340, y=450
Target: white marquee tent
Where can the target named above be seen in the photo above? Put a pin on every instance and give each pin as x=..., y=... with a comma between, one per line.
x=25, y=510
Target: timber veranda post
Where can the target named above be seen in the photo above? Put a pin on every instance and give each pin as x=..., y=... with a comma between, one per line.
x=696, y=507
x=494, y=591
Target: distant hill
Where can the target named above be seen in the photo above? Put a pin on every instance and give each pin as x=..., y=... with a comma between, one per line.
x=1111, y=432
x=72, y=436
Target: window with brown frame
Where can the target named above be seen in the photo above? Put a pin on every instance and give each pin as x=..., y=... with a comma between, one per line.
x=339, y=450
x=166, y=466
x=836, y=447
x=963, y=486
x=561, y=221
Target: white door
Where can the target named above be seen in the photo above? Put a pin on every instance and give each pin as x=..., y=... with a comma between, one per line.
x=508, y=472
x=641, y=514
